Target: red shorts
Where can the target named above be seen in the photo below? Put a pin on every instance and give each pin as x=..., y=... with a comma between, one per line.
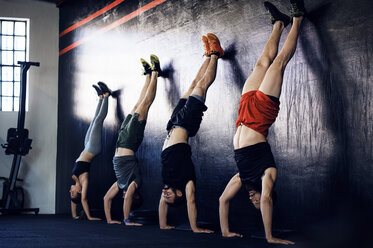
x=257, y=111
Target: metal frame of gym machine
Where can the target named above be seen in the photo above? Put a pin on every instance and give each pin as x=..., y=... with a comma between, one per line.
x=18, y=144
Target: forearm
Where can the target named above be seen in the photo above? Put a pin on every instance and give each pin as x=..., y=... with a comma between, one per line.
x=162, y=212
x=192, y=215
x=267, y=209
x=73, y=210
x=107, y=208
x=86, y=208
x=224, y=216
x=127, y=207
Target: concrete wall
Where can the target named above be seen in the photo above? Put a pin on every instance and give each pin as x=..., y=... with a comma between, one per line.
x=322, y=139
x=38, y=168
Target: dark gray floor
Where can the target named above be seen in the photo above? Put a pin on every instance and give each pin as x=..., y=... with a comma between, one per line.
x=62, y=231
x=343, y=230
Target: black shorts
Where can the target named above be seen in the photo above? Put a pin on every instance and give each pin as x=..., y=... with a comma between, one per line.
x=188, y=115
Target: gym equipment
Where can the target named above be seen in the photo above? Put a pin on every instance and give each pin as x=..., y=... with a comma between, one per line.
x=19, y=145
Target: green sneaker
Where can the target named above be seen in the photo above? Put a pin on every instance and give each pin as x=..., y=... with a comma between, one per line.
x=156, y=66
x=275, y=15
x=147, y=67
x=297, y=8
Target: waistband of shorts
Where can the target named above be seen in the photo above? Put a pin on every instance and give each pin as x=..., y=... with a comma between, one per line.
x=177, y=147
x=252, y=148
x=125, y=158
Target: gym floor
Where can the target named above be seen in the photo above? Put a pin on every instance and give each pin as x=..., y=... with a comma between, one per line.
x=61, y=231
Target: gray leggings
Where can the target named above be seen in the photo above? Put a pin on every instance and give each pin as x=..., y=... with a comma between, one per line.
x=92, y=142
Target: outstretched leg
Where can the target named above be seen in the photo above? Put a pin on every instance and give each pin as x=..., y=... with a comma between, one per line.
x=143, y=93
x=147, y=100
x=200, y=89
x=88, y=134
x=93, y=145
x=269, y=53
x=272, y=81
x=198, y=77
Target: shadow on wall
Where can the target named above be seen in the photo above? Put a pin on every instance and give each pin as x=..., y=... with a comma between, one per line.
x=119, y=112
x=173, y=91
x=238, y=75
x=318, y=50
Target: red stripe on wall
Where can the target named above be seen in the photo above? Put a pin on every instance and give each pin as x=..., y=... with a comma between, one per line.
x=89, y=18
x=113, y=25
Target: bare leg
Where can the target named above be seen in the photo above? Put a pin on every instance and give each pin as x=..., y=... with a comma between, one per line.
x=269, y=53
x=207, y=79
x=272, y=81
x=198, y=77
x=142, y=94
x=143, y=108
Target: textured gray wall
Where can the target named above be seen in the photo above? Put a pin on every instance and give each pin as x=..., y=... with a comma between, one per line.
x=321, y=139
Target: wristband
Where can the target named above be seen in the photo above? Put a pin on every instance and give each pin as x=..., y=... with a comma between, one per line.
x=126, y=221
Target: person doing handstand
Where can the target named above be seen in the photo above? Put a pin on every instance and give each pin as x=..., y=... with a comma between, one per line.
x=130, y=137
x=259, y=107
x=92, y=147
x=177, y=167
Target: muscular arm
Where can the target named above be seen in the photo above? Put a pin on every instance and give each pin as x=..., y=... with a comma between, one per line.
x=128, y=202
x=230, y=191
x=192, y=209
x=162, y=211
x=266, y=205
x=108, y=198
x=84, y=183
x=73, y=211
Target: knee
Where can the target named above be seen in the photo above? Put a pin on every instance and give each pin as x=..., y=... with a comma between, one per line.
x=263, y=62
x=204, y=83
x=280, y=62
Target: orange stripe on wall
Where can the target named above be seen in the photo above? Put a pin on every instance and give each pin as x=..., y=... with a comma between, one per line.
x=89, y=18
x=113, y=25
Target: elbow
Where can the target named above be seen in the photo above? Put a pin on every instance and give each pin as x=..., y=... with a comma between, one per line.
x=266, y=199
x=223, y=200
x=107, y=199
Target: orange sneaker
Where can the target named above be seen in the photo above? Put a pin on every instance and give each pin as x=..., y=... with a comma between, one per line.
x=206, y=46
x=214, y=44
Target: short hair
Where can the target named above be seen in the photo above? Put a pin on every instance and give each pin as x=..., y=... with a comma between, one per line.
x=178, y=201
x=137, y=200
x=77, y=199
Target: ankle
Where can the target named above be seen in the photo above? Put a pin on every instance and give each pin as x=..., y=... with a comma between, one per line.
x=155, y=73
x=214, y=56
x=279, y=25
x=298, y=19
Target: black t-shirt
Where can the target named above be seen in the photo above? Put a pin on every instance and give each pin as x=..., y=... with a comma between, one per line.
x=177, y=166
x=252, y=161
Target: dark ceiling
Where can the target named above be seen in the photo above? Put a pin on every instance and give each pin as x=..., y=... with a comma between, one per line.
x=58, y=3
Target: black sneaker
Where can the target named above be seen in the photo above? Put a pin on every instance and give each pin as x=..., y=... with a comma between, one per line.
x=98, y=90
x=297, y=8
x=147, y=67
x=156, y=66
x=104, y=88
x=275, y=15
